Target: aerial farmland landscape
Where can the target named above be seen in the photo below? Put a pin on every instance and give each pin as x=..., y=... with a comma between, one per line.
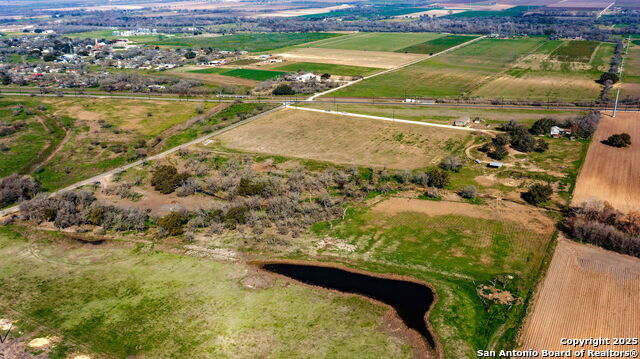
x=319, y=179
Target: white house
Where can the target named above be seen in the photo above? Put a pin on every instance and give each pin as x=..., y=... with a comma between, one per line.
x=462, y=122
x=306, y=77
x=556, y=132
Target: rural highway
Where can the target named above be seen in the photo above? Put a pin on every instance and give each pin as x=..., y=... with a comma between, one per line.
x=313, y=97
x=16, y=208
x=362, y=101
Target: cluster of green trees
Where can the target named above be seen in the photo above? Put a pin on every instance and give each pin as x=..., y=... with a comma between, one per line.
x=620, y=140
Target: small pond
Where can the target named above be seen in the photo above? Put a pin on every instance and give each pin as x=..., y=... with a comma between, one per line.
x=411, y=300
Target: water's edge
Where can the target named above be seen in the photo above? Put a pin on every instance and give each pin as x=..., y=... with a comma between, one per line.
x=409, y=299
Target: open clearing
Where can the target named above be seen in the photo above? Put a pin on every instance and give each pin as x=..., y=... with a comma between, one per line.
x=246, y=42
x=446, y=115
x=344, y=140
x=631, y=73
x=318, y=68
x=588, y=292
x=437, y=45
x=455, y=247
x=376, y=41
x=611, y=174
x=526, y=68
x=557, y=70
x=450, y=74
x=377, y=59
x=120, y=302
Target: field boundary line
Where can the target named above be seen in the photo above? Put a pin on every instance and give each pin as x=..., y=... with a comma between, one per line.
x=391, y=119
x=96, y=178
x=313, y=97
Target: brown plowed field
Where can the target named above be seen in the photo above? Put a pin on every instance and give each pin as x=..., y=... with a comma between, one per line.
x=612, y=174
x=588, y=292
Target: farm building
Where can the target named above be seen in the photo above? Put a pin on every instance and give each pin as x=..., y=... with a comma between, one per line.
x=557, y=132
x=462, y=122
x=306, y=77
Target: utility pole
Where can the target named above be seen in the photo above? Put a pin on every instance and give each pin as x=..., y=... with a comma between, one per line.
x=615, y=106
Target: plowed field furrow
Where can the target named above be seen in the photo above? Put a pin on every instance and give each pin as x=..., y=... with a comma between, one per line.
x=588, y=293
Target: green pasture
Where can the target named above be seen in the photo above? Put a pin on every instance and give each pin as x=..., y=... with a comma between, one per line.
x=124, y=302
x=437, y=45
x=251, y=74
x=253, y=42
x=318, y=68
x=376, y=41
x=450, y=75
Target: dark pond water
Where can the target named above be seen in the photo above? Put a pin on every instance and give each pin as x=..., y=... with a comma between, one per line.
x=410, y=300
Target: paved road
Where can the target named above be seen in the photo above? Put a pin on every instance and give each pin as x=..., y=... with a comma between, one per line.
x=362, y=101
x=313, y=97
x=99, y=177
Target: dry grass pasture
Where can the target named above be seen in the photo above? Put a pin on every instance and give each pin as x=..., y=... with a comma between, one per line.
x=379, y=59
x=588, y=292
x=345, y=140
x=612, y=174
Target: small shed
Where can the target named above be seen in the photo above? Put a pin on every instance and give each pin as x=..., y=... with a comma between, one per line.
x=494, y=164
x=462, y=122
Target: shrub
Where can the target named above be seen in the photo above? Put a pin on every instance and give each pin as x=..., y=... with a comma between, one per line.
x=523, y=142
x=486, y=147
x=611, y=77
x=283, y=90
x=499, y=153
x=620, y=140
x=542, y=126
x=15, y=188
x=452, y=163
x=501, y=139
x=438, y=178
x=173, y=223
x=541, y=145
x=469, y=192
x=166, y=178
x=538, y=193
x=248, y=187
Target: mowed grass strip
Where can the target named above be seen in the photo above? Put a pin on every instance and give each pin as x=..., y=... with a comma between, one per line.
x=120, y=303
x=437, y=45
x=376, y=41
x=318, y=68
x=251, y=74
x=449, y=75
x=247, y=42
x=575, y=51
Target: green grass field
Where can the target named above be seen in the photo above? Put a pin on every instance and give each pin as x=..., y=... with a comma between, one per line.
x=376, y=41
x=255, y=42
x=24, y=145
x=449, y=75
x=579, y=51
x=251, y=74
x=437, y=45
x=123, y=302
x=102, y=134
x=544, y=76
x=454, y=253
x=318, y=68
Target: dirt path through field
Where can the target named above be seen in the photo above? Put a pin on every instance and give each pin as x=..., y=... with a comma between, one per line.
x=612, y=174
x=588, y=293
